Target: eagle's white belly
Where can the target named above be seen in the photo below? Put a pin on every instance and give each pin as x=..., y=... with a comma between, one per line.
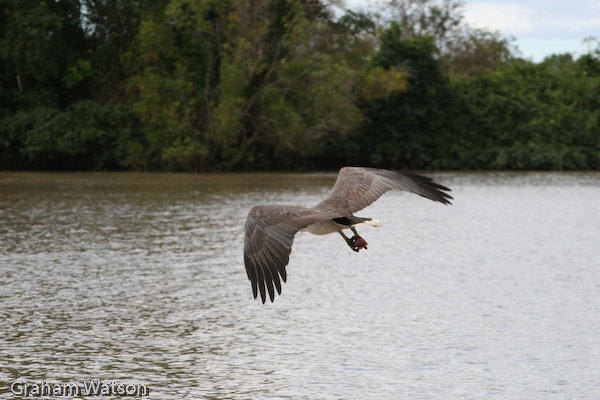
x=322, y=227
x=329, y=226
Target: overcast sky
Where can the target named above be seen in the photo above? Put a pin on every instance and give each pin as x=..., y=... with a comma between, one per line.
x=540, y=27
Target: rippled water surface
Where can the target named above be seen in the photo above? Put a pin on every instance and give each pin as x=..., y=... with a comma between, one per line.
x=140, y=278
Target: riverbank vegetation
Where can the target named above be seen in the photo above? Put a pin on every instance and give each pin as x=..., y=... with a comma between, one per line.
x=283, y=84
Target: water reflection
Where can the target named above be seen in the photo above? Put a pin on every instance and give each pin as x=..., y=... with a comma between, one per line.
x=139, y=278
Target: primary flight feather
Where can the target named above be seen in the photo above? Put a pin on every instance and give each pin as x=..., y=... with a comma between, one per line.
x=270, y=230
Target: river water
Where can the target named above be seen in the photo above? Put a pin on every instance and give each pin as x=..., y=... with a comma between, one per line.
x=139, y=278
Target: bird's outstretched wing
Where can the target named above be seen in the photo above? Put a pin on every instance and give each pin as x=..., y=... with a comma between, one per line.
x=358, y=187
x=270, y=233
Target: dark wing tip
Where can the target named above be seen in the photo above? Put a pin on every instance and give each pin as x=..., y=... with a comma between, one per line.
x=430, y=189
x=263, y=280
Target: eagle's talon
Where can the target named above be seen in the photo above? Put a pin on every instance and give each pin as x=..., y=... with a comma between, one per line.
x=357, y=243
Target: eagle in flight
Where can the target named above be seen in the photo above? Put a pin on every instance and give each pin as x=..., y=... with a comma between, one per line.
x=270, y=229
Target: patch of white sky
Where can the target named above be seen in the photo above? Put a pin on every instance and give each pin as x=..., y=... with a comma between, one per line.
x=539, y=27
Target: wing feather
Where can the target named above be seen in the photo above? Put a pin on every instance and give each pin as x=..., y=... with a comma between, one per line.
x=358, y=187
x=270, y=233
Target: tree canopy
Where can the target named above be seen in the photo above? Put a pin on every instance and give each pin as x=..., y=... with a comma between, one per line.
x=282, y=84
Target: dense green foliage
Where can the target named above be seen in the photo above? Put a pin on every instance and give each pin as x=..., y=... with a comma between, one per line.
x=265, y=84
